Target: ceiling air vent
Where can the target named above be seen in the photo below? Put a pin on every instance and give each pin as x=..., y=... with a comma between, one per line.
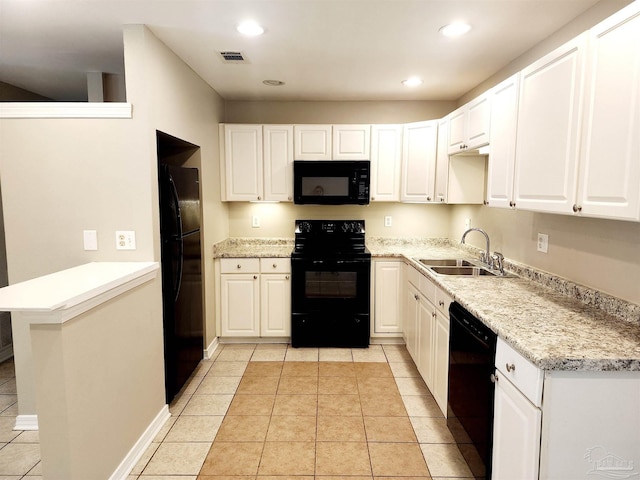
x=232, y=57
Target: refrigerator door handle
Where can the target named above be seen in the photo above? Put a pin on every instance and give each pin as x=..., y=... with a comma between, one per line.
x=177, y=282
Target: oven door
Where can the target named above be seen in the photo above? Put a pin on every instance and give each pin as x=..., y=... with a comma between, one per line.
x=330, y=302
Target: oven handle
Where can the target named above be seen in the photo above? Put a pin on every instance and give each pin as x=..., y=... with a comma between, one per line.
x=335, y=262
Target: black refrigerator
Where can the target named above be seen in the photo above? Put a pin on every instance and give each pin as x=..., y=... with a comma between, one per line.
x=181, y=274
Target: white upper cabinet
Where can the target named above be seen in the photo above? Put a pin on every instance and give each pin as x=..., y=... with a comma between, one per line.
x=386, y=158
x=243, y=162
x=469, y=125
x=504, y=117
x=278, y=162
x=610, y=148
x=548, y=129
x=351, y=142
x=312, y=142
x=419, y=161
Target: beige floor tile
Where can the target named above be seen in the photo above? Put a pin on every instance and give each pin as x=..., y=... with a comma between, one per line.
x=191, y=385
x=7, y=369
x=342, y=458
x=298, y=385
x=397, y=459
x=292, y=428
x=272, y=346
x=11, y=411
x=285, y=477
x=288, y=458
x=201, y=428
x=158, y=477
x=227, y=369
x=373, y=369
x=18, y=459
x=301, y=355
x=162, y=433
x=234, y=458
x=337, y=385
x=431, y=430
x=28, y=437
x=445, y=460
x=382, y=405
x=456, y=429
x=144, y=459
x=235, y=355
x=7, y=400
x=421, y=406
x=203, y=368
x=339, y=405
x=243, y=428
x=176, y=407
x=268, y=355
x=216, y=385
x=35, y=472
x=208, y=405
x=400, y=369
x=344, y=477
x=372, y=354
x=8, y=387
x=251, y=405
x=335, y=355
x=377, y=386
x=295, y=405
x=340, y=429
x=6, y=429
x=263, y=369
x=412, y=386
x=336, y=369
x=300, y=369
x=258, y=385
x=397, y=354
x=409, y=478
x=389, y=429
x=177, y=459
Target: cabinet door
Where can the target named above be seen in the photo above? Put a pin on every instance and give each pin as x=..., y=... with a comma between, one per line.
x=426, y=342
x=386, y=157
x=351, y=142
x=410, y=321
x=441, y=361
x=278, y=162
x=243, y=162
x=478, y=121
x=516, y=434
x=548, y=128
x=610, y=168
x=442, y=161
x=387, y=298
x=419, y=161
x=502, y=157
x=275, y=299
x=312, y=142
x=240, y=305
x=457, y=130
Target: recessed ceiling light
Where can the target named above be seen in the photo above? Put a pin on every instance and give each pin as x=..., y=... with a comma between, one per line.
x=412, y=82
x=250, y=28
x=455, y=29
x=273, y=83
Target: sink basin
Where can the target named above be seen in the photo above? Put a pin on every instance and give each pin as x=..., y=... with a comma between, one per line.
x=449, y=262
x=462, y=270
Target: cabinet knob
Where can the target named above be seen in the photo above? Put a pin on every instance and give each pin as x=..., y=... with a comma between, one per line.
x=239, y=267
x=510, y=367
x=512, y=204
x=577, y=208
x=259, y=197
x=441, y=303
x=255, y=277
x=416, y=297
x=286, y=277
x=289, y=198
x=486, y=202
x=428, y=199
x=494, y=378
x=275, y=265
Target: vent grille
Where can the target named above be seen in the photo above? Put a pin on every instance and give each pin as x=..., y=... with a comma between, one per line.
x=232, y=57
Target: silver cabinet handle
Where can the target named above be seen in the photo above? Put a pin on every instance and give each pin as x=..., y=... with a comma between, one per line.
x=255, y=277
x=286, y=277
x=512, y=204
x=577, y=208
x=428, y=199
x=416, y=297
x=494, y=378
x=239, y=266
x=441, y=303
x=275, y=265
x=510, y=367
x=373, y=198
x=259, y=197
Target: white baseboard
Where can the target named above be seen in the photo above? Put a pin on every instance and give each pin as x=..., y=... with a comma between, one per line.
x=210, y=350
x=26, y=422
x=131, y=459
x=6, y=353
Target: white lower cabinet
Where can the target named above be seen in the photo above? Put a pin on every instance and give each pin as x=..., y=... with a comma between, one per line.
x=386, y=297
x=255, y=297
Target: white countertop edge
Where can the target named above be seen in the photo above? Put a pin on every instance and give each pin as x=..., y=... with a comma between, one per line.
x=84, y=287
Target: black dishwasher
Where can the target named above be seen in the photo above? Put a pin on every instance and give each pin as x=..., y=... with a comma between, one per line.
x=472, y=353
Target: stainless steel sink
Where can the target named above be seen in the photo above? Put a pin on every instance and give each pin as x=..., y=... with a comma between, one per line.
x=462, y=270
x=449, y=262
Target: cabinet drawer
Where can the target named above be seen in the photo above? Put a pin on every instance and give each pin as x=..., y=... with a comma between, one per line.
x=521, y=372
x=412, y=275
x=428, y=289
x=443, y=300
x=275, y=265
x=240, y=265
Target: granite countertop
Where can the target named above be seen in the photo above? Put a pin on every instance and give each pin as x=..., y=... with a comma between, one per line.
x=556, y=324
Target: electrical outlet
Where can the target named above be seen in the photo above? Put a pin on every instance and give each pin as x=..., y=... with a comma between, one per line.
x=467, y=223
x=543, y=242
x=255, y=221
x=125, y=240
x=90, y=238
x=387, y=221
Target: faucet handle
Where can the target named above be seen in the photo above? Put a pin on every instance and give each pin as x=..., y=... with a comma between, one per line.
x=498, y=262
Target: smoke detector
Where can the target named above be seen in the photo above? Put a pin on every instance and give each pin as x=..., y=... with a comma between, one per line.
x=232, y=57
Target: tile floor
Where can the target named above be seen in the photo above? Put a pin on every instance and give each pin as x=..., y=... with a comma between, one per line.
x=271, y=411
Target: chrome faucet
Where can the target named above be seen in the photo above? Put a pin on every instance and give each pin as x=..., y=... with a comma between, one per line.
x=485, y=257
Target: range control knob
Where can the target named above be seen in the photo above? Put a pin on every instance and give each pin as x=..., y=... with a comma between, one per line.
x=304, y=227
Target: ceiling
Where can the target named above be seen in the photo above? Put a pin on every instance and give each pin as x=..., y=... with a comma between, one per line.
x=321, y=49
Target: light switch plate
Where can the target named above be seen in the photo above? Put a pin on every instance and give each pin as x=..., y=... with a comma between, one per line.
x=255, y=221
x=125, y=240
x=90, y=238
x=543, y=242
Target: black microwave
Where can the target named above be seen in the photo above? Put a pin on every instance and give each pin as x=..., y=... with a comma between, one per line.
x=331, y=182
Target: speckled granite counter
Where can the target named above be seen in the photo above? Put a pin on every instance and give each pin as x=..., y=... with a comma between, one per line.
x=556, y=324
